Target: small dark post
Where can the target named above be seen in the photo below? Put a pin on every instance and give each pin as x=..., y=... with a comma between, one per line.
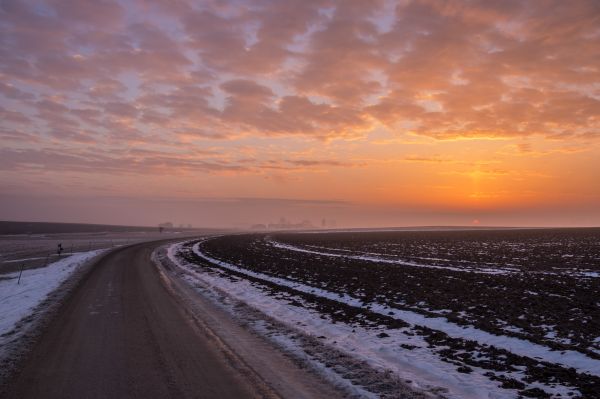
x=21, y=272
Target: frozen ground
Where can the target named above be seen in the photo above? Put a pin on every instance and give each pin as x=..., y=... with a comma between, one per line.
x=284, y=327
x=435, y=354
x=520, y=347
x=539, y=286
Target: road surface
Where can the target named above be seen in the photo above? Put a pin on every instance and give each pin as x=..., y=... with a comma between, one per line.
x=122, y=334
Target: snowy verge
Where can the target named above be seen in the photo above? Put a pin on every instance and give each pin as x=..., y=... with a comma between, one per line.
x=405, y=352
x=311, y=348
x=17, y=300
x=25, y=302
x=419, y=368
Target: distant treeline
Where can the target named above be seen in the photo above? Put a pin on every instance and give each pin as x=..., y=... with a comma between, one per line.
x=48, y=228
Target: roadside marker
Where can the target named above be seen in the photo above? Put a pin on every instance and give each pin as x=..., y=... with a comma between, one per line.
x=21, y=272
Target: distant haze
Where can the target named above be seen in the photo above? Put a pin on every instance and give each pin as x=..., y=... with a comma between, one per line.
x=244, y=212
x=366, y=113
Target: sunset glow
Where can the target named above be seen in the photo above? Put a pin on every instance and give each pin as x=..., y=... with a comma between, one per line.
x=369, y=113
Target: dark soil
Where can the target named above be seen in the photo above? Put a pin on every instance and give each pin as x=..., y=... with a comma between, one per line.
x=542, y=290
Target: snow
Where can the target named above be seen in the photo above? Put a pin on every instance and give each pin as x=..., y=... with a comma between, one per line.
x=591, y=274
x=379, y=259
x=18, y=301
x=521, y=347
x=422, y=367
x=291, y=346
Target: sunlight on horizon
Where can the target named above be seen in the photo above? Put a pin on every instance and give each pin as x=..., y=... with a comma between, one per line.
x=371, y=113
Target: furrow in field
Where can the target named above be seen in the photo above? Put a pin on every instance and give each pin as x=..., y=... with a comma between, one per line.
x=382, y=258
x=578, y=361
x=379, y=259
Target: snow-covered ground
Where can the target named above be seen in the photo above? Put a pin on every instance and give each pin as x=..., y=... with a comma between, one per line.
x=381, y=347
x=19, y=299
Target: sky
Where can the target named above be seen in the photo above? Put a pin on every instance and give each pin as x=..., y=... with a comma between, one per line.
x=362, y=113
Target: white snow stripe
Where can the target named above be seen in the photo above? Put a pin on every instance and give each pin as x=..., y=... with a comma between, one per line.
x=377, y=259
x=520, y=347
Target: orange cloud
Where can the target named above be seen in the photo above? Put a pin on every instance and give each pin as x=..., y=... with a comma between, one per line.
x=298, y=86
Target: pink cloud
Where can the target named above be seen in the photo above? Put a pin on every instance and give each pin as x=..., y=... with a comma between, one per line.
x=147, y=72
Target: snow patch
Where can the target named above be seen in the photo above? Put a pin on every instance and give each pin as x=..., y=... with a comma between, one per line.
x=18, y=301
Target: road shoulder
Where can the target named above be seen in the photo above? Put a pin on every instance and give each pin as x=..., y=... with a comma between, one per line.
x=264, y=365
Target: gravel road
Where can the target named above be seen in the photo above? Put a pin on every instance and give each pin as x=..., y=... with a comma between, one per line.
x=123, y=334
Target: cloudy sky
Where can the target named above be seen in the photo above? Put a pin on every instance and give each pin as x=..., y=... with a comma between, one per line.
x=372, y=113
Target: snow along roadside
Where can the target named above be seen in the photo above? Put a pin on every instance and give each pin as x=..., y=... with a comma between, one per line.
x=420, y=369
x=579, y=361
x=24, y=305
x=305, y=336
x=270, y=348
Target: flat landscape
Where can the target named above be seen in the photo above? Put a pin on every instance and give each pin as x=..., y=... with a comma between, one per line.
x=456, y=313
x=106, y=320
x=395, y=199
x=406, y=313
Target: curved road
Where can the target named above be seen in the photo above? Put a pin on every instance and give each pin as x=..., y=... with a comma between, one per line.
x=121, y=334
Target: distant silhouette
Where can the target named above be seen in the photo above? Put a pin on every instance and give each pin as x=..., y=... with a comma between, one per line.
x=59, y=249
